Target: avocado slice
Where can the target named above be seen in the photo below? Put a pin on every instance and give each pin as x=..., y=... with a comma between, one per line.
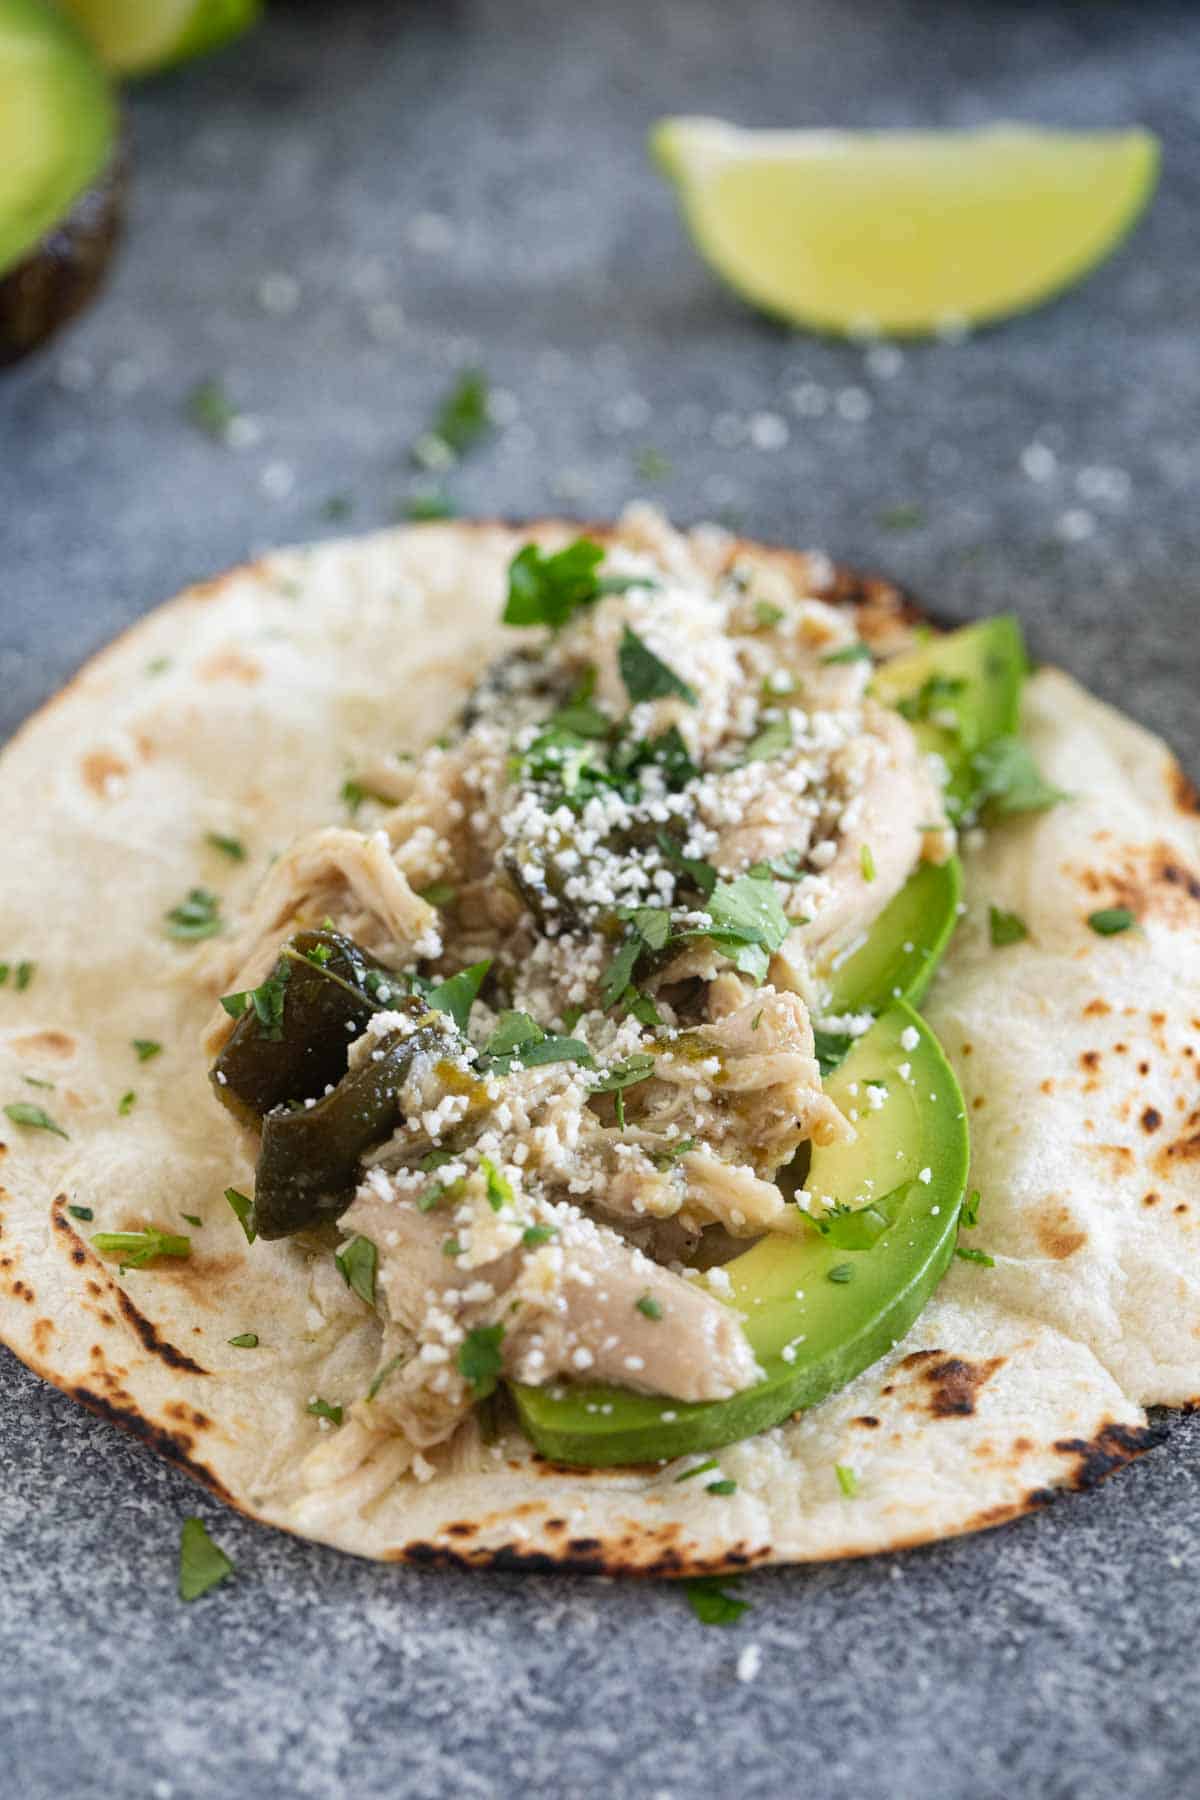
x=903, y=947
x=958, y=692
x=61, y=181
x=818, y=1308
x=137, y=37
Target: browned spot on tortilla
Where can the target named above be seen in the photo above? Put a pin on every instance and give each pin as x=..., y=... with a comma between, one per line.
x=43, y=1331
x=1096, y=1009
x=1112, y=1447
x=977, y=1102
x=147, y=749
x=868, y=1421
x=94, y=1288
x=1120, y=1049
x=230, y=665
x=1022, y=1446
x=44, y=1043
x=1183, y=1150
x=916, y=1359
x=152, y=1340
x=967, y=1049
x=460, y=1529
x=1090, y=1060
x=1183, y=791
x=1182, y=1207
x=1150, y=1199
x=99, y=767
x=187, y=1415
x=555, y=1525
x=1057, y=1232
x=1143, y=1068
x=1119, y=1158
x=1048, y=1085
x=22, y=1291
x=889, y=1389
x=1151, y=1119
x=176, y=1446
x=954, y=1383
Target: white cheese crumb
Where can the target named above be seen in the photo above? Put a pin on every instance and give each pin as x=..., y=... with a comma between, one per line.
x=749, y=1663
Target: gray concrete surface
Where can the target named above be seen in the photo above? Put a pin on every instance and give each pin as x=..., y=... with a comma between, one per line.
x=454, y=183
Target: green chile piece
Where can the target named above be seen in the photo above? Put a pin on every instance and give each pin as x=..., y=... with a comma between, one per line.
x=325, y=1007
x=309, y=1159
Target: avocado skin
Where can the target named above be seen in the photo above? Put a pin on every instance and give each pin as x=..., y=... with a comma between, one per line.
x=66, y=270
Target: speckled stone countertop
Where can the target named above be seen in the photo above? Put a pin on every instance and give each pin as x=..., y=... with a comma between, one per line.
x=333, y=218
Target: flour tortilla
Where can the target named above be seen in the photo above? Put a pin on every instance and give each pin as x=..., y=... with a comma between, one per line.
x=240, y=708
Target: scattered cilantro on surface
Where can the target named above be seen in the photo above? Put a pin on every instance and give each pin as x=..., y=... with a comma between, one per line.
x=202, y=1564
x=358, y=1262
x=34, y=1118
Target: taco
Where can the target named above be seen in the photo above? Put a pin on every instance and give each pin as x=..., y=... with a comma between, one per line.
x=616, y=1049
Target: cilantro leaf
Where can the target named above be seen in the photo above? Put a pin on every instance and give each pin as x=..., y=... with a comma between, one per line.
x=81, y=1212
x=701, y=874
x=555, y=1049
x=645, y=675
x=1111, y=919
x=665, y=1158
x=513, y=1030
x=127, y=1103
x=202, y=1564
x=711, y=1600
x=479, y=1359
x=849, y=653
x=210, y=409
x=357, y=1262
x=975, y=1256
x=137, y=1248
x=619, y=972
x=1008, y=781
x=748, y=910
x=1005, y=927
x=24, y=975
x=422, y=508
x=625, y=1074
x=969, y=1216
x=460, y=421
x=649, y=1307
x=831, y=1049
x=231, y=847
x=533, y=1235
x=243, y=1207
x=499, y=1188
x=146, y=1048
x=847, y=1479
x=199, y=916
x=767, y=614
x=266, y=1000
x=458, y=995
x=245, y=1340
x=321, y=1409
x=35, y=1118
x=774, y=738
x=547, y=590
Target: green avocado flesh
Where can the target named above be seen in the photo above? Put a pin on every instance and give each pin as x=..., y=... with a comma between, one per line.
x=895, y=1252
x=904, y=945
x=959, y=692
x=58, y=123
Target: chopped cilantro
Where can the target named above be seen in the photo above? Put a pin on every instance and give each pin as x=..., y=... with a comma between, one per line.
x=849, y=653
x=499, y=1188
x=640, y=1006
x=649, y=1307
x=702, y=874
x=458, y=995
x=970, y=1210
x=697, y=1469
x=24, y=975
x=158, y=665
x=35, y=1081
x=243, y=1208
x=35, y=1118
x=440, y=893
x=975, y=1256
x=546, y=590
x=479, y=1359
x=724, y=1486
x=513, y=1030
x=841, y=1272
x=389, y=1368
x=81, y=1212
x=1111, y=919
x=789, y=867
x=533, y=1235
x=651, y=465
x=210, y=409
x=267, y=1002
x=192, y=1219
x=831, y=1048
x=766, y=614
x=231, y=847
x=437, y=1191
x=936, y=695
x=337, y=508
x=1007, y=780
x=645, y=675
x=625, y=1074
x=146, y=1048
x=202, y=1564
x=358, y=1261
x=451, y=1247
x=246, y=1340
x=774, y=738
x=901, y=518
x=866, y=860
x=460, y=421
x=712, y=1603
x=321, y=1409
x=664, y=1159
x=847, y=1479
x=619, y=972
x=137, y=1248
x=1005, y=927
x=199, y=916
x=423, y=508
x=126, y=1103
x=4, y=968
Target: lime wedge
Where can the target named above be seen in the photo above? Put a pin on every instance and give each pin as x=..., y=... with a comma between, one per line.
x=904, y=233
x=136, y=36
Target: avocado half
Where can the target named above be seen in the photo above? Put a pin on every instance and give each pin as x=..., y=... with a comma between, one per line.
x=62, y=174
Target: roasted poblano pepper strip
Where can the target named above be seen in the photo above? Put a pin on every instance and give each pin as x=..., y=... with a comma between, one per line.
x=309, y=1161
x=328, y=987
